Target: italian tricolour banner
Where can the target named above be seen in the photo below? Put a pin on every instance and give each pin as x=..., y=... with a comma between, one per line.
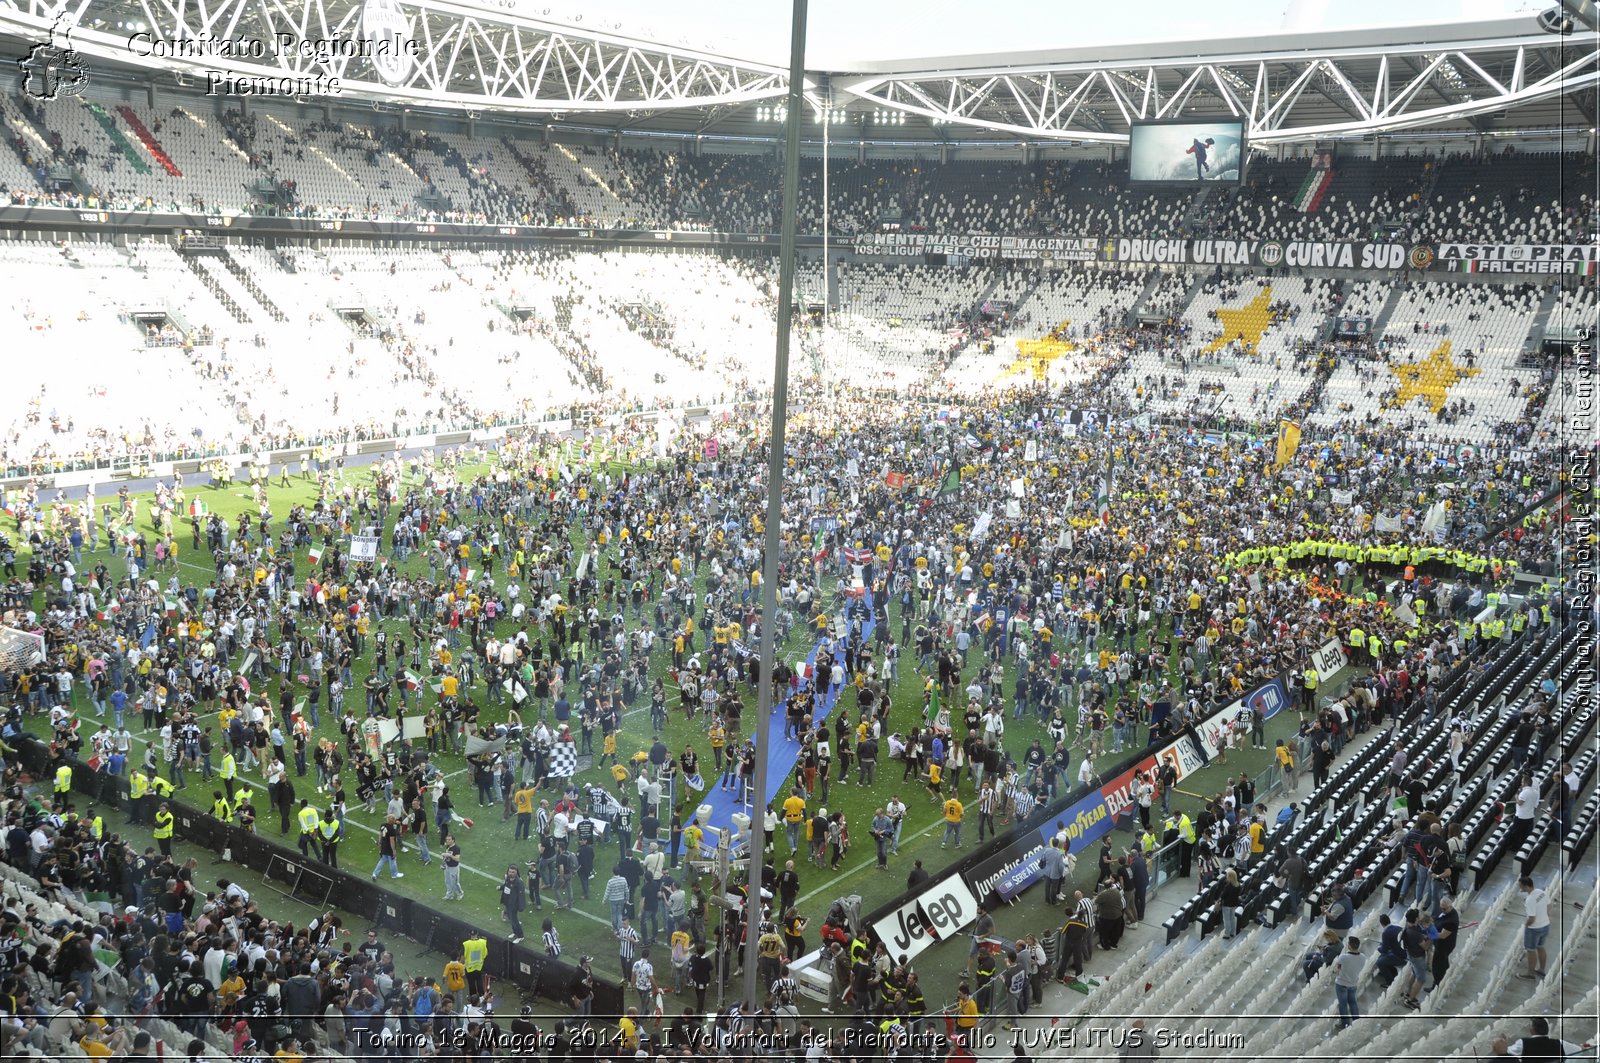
x=1313, y=189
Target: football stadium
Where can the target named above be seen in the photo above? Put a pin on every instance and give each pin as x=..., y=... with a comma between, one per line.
x=832, y=532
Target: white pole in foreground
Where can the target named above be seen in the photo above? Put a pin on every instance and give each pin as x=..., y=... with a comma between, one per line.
x=755, y=994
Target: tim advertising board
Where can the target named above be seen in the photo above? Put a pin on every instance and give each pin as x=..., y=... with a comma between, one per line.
x=1085, y=822
x=1266, y=700
x=937, y=913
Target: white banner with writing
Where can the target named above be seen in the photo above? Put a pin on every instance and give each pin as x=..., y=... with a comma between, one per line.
x=937, y=914
x=1329, y=659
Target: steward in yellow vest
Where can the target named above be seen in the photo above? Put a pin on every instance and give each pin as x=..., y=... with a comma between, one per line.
x=163, y=829
x=474, y=951
x=309, y=822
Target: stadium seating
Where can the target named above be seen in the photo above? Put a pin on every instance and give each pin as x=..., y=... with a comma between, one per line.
x=1446, y=365
x=576, y=322
x=1361, y=194
x=1522, y=197
x=1269, y=1003
x=354, y=169
x=111, y=987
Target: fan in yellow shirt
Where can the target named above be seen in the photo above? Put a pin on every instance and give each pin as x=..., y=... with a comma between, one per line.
x=455, y=976
x=231, y=990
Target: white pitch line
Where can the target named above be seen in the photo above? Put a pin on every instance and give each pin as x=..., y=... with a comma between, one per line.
x=833, y=884
x=464, y=866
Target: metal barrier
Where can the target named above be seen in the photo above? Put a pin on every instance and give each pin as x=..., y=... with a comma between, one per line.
x=1163, y=862
x=1163, y=868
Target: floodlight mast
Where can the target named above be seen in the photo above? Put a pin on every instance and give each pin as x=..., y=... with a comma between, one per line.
x=769, y=568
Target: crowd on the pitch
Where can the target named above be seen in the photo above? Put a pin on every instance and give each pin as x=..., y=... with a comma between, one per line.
x=508, y=640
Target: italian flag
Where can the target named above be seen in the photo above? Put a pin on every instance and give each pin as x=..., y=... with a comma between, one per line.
x=197, y=508
x=315, y=556
x=1103, y=503
x=1466, y=265
x=1313, y=189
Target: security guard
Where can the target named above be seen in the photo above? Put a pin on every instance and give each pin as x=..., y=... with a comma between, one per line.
x=1186, y=840
x=229, y=770
x=474, y=952
x=1311, y=679
x=310, y=821
x=63, y=778
x=161, y=788
x=163, y=829
x=329, y=829
x=138, y=789
x=220, y=808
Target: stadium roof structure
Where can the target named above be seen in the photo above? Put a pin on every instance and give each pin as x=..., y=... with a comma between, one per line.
x=1299, y=87
x=427, y=53
x=489, y=57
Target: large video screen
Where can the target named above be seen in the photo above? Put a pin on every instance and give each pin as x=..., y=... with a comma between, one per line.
x=1187, y=152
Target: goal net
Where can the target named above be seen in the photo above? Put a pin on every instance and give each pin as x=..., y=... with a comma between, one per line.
x=20, y=649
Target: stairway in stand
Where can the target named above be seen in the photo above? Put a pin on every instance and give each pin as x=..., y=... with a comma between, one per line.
x=250, y=285
x=141, y=131
x=538, y=178
x=232, y=305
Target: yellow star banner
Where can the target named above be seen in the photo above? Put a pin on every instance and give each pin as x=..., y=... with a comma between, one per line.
x=1034, y=356
x=1431, y=379
x=1288, y=442
x=1245, y=323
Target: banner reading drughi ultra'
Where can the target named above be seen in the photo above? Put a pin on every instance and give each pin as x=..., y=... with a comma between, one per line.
x=1268, y=254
